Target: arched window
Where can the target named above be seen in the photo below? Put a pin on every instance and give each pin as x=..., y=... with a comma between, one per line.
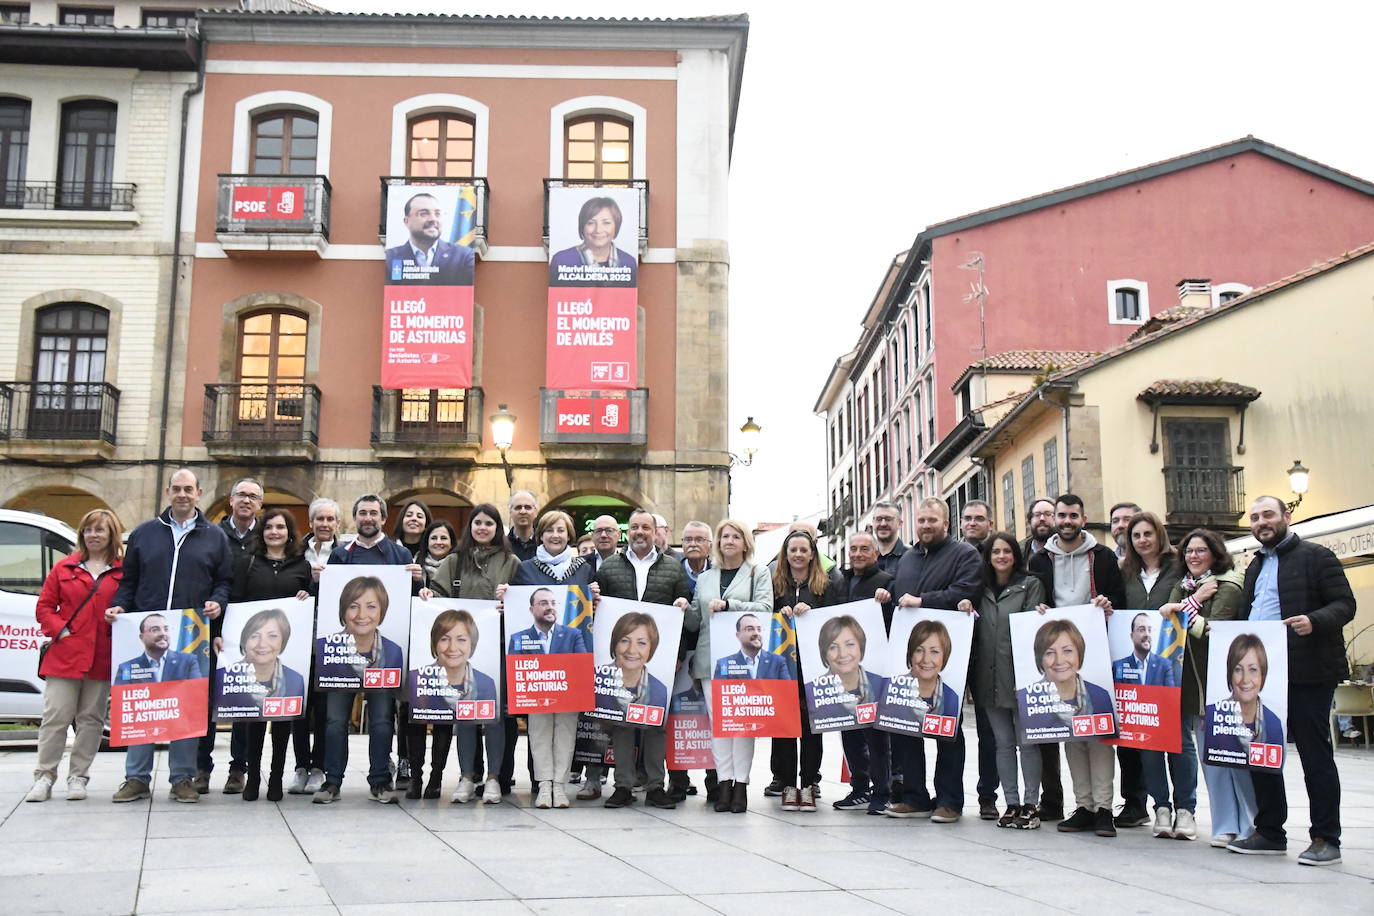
x=271, y=368
x=284, y=142
x=597, y=148
x=441, y=145
x=69, y=367
x=86, y=161
x=14, y=150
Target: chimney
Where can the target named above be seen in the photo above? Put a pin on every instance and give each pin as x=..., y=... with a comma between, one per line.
x=1195, y=293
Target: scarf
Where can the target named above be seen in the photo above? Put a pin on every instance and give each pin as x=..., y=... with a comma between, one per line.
x=461, y=691
x=557, y=566
x=1191, y=606
x=1080, y=705
x=585, y=254
x=274, y=686
x=936, y=700
x=360, y=663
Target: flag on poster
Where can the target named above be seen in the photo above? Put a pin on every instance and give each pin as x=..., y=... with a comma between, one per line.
x=160, y=688
x=927, y=659
x=549, y=662
x=455, y=653
x=753, y=690
x=1147, y=674
x=260, y=675
x=1247, y=694
x=1063, y=675
x=427, y=293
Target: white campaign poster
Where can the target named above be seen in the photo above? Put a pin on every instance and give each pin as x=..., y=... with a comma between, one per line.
x=362, y=627
x=635, y=652
x=1247, y=694
x=455, y=658
x=927, y=660
x=843, y=653
x=261, y=674
x=1063, y=674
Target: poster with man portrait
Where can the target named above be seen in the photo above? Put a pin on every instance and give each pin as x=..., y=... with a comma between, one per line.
x=427, y=296
x=1147, y=674
x=927, y=660
x=1063, y=675
x=455, y=661
x=260, y=676
x=753, y=687
x=549, y=649
x=160, y=663
x=634, y=648
x=689, y=722
x=843, y=653
x=362, y=627
x=1247, y=694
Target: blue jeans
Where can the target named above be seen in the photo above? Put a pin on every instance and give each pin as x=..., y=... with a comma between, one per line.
x=380, y=706
x=1231, y=797
x=867, y=751
x=910, y=753
x=495, y=733
x=181, y=761
x=1182, y=772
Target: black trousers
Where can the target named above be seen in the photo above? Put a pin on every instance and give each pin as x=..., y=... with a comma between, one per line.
x=1051, y=778
x=782, y=759
x=415, y=748
x=1132, y=778
x=256, y=736
x=1309, y=728
x=307, y=733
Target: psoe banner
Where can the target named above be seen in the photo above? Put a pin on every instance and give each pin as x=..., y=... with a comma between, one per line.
x=927, y=655
x=753, y=689
x=1147, y=672
x=1247, y=694
x=427, y=296
x=160, y=689
x=1063, y=675
x=455, y=648
x=260, y=675
x=843, y=652
x=549, y=661
x=635, y=651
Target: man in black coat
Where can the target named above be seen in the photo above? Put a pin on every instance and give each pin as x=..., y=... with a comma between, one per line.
x=1302, y=584
x=241, y=524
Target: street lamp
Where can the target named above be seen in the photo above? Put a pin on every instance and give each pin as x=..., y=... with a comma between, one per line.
x=1298, y=478
x=502, y=435
x=749, y=436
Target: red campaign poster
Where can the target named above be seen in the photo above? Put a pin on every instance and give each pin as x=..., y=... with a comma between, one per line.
x=557, y=682
x=427, y=337
x=1148, y=717
x=754, y=708
x=689, y=741
x=592, y=338
x=593, y=415
x=156, y=712
x=267, y=202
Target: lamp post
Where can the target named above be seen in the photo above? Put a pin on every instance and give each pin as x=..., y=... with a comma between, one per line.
x=749, y=437
x=502, y=435
x=1298, y=479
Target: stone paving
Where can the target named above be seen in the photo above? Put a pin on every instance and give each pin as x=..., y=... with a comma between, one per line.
x=357, y=857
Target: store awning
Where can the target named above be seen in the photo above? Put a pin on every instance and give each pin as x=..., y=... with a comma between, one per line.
x=1348, y=534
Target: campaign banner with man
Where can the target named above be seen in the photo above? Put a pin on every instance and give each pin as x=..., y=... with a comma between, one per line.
x=549, y=651
x=356, y=603
x=427, y=295
x=1247, y=694
x=455, y=654
x=634, y=647
x=843, y=653
x=1063, y=675
x=927, y=660
x=1147, y=676
x=593, y=340
x=260, y=674
x=689, y=723
x=160, y=689
x=753, y=681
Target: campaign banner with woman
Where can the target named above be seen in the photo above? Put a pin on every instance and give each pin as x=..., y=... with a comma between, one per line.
x=160, y=688
x=1247, y=694
x=1063, y=675
x=689, y=723
x=260, y=673
x=592, y=340
x=634, y=648
x=549, y=651
x=455, y=657
x=753, y=683
x=927, y=655
x=843, y=653
x=356, y=604
x=1147, y=677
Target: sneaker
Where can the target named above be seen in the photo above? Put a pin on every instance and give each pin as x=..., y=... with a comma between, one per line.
x=1185, y=825
x=1028, y=818
x=312, y=785
x=464, y=793
x=1103, y=825
x=560, y=796
x=76, y=788
x=41, y=791
x=1082, y=819
x=234, y=784
x=1131, y=816
x=491, y=794
x=543, y=798
x=854, y=801
x=816, y=789
x=943, y=814
x=1256, y=845
x=658, y=798
x=1164, y=823
x=298, y=782
x=774, y=789
x=808, y=800
x=202, y=782
x=184, y=792
x=1320, y=853
x=1008, y=818
x=590, y=791
x=791, y=798
x=575, y=779
x=326, y=794
x=987, y=809
x=902, y=809
x=403, y=774
x=384, y=793
x=877, y=812
x=620, y=798
x=131, y=790
x=1222, y=840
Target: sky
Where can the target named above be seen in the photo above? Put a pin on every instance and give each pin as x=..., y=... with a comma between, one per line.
x=860, y=125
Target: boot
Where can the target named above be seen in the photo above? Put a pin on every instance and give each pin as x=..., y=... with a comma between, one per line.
x=435, y=786
x=725, y=793
x=740, y=801
x=252, y=783
x=257, y=733
x=281, y=739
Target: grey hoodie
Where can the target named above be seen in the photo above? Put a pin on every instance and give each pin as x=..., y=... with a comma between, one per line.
x=1072, y=577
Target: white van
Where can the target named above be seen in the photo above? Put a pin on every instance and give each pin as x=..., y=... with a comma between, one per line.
x=29, y=546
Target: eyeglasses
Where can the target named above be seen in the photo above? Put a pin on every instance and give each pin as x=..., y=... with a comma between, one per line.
x=1196, y=552
x=696, y=540
x=605, y=531
x=249, y=496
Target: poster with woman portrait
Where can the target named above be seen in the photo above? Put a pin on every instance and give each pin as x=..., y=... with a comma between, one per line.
x=927, y=657
x=455, y=661
x=843, y=653
x=1247, y=694
x=261, y=672
x=753, y=688
x=1063, y=675
x=1147, y=672
x=549, y=649
x=362, y=627
x=635, y=652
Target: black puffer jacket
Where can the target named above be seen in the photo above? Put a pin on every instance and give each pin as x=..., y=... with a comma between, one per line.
x=665, y=583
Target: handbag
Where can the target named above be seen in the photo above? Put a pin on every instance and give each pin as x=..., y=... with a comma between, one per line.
x=43, y=649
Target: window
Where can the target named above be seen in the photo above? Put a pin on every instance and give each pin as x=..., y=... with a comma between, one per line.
x=897, y=446
x=441, y=146
x=69, y=361
x=271, y=369
x=284, y=143
x=27, y=553
x=926, y=316
x=1009, y=501
x=597, y=148
x=14, y=13
x=906, y=355
x=1128, y=302
x=919, y=427
x=1052, y=468
x=14, y=150
x=886, y=462
x=86, y=160
x=1223, y=293
x=431, y=412
x=966, y=398
x=168, y=19
x=1199, y=477
x=906, y=441
x=1027, y=483
x=86, y=15
x=930, y=411
x=1128, y=305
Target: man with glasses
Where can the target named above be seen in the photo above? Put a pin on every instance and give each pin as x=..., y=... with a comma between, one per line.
x=245, y=501
x=1039, y=527
x=696, y=550
x=887, y=524
x=605, y=538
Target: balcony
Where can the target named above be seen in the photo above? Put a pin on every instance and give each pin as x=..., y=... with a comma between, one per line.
x=1213, y=496
x=425, y=423
x=273, y=215
x=68, y=203
x=279, y=422
x=593, y=425
x=639, y=184
x=478, y=226
x=62, y=422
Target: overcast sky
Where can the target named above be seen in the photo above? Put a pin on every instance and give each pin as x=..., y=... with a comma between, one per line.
x=861, y=123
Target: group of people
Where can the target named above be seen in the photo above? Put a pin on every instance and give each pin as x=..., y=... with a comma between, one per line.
x=180, y=559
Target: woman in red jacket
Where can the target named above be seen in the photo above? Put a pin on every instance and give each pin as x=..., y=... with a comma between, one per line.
x=71, y=612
